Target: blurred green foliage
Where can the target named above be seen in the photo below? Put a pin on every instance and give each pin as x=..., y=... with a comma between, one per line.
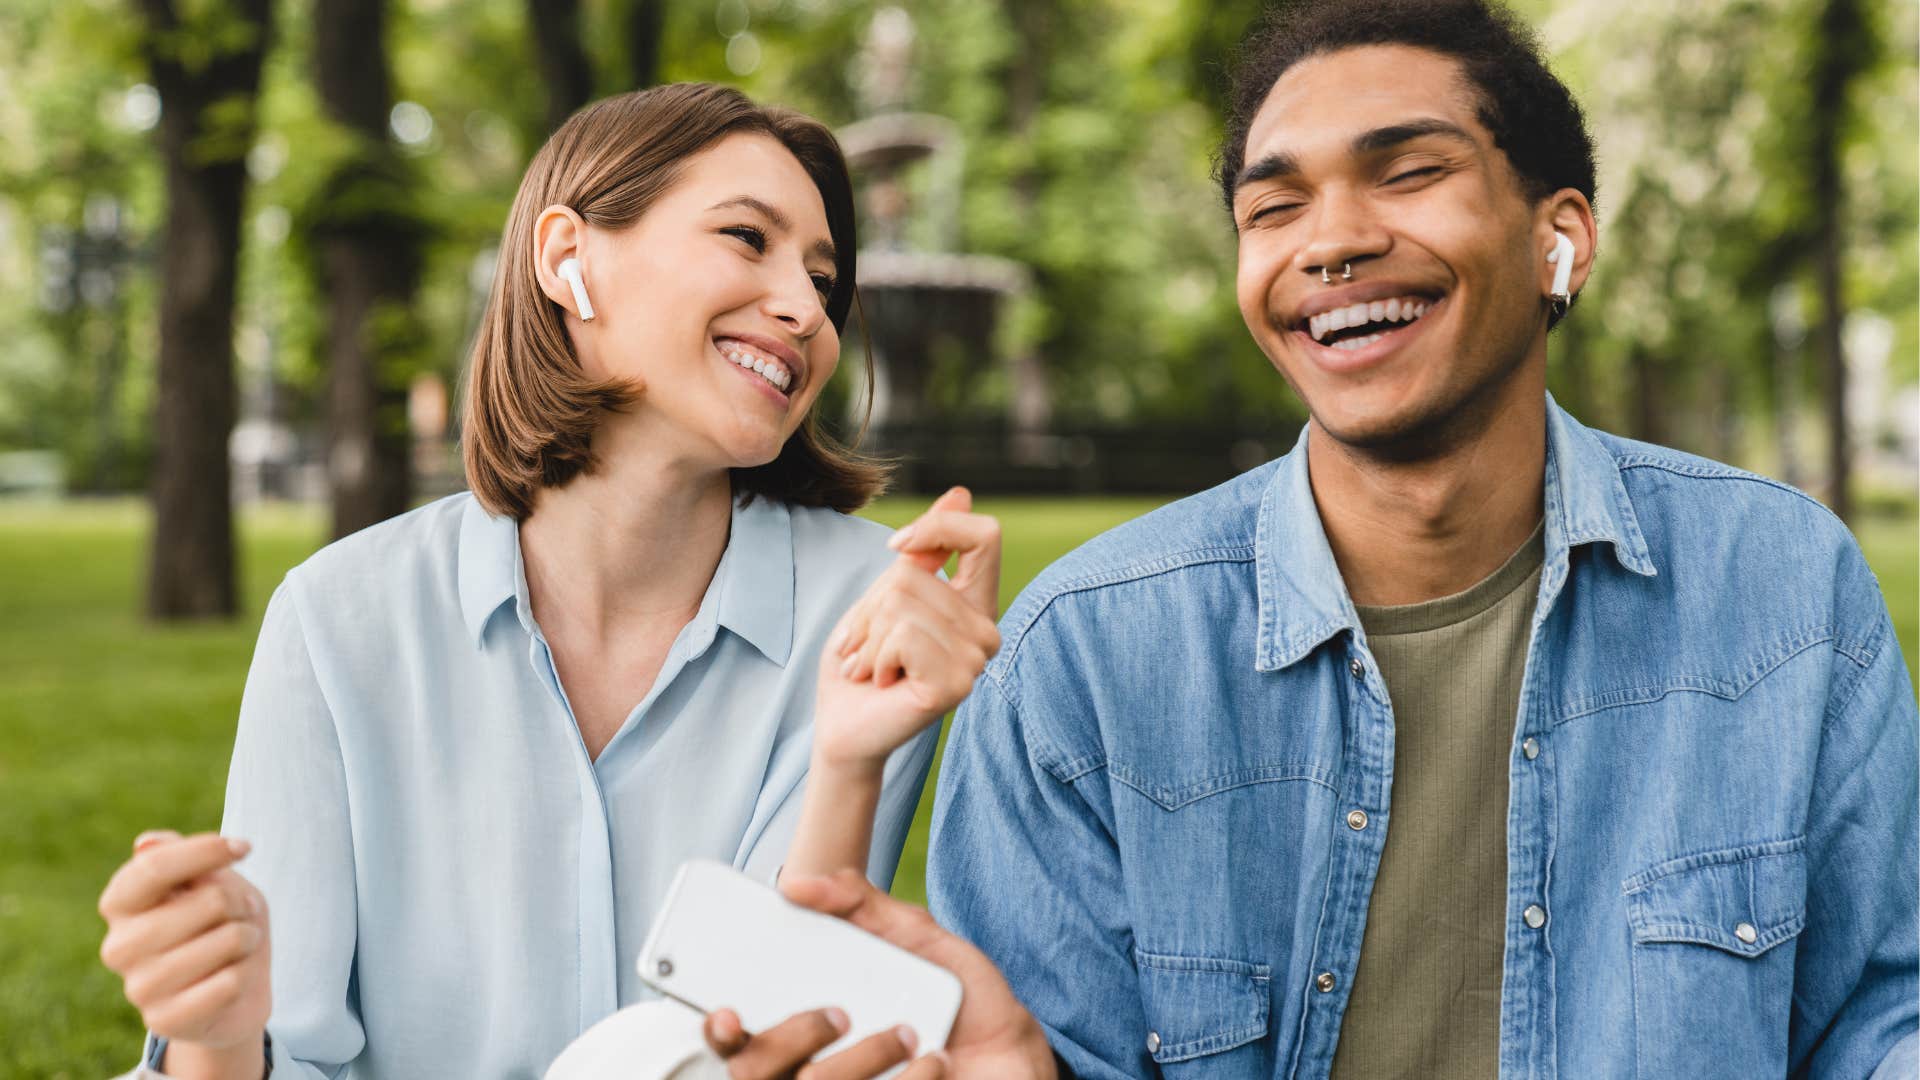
x=1089, y=128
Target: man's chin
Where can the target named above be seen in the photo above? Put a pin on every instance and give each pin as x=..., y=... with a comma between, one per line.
x=1404, y=433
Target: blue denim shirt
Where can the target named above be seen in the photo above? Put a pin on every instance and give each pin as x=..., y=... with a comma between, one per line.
x=1142, y=815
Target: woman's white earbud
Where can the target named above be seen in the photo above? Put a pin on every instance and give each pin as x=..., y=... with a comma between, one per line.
x=1562, y=259
x=570, y=269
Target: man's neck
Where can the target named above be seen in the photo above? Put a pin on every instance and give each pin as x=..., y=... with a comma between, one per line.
x=637, y=539
x=1404, y=532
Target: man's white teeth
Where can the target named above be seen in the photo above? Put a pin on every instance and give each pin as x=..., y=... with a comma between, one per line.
x=770, y=370
x=1351, y=344
x=1398, y=309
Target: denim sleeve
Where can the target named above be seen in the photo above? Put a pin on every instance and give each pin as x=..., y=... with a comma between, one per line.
x=287, y=793
x=1025, y=867
x=1857, y=985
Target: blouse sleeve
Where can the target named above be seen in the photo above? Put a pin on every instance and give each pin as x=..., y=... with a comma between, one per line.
x=287, y=794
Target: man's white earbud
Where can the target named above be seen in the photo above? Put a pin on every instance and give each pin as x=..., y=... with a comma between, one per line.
x=1562, y=259
x=570, y=269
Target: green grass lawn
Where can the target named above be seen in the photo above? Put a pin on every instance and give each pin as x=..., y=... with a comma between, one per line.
x=112, y=726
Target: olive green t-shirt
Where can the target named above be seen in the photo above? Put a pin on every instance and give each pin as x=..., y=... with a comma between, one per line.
x=1426, y=998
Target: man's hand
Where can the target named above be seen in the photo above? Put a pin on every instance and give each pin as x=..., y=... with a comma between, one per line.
x=993, y=1038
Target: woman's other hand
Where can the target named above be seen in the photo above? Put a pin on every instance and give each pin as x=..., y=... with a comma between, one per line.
x=910, y=649
x=188, y=937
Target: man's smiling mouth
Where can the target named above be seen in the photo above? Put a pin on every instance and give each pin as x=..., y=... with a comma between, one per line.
x=1356, y=326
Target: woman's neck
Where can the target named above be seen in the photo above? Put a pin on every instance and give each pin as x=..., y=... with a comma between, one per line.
x=635, y=540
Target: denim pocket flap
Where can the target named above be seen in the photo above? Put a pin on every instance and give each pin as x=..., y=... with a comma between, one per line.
x=1200, y=1005
x=1742, y=900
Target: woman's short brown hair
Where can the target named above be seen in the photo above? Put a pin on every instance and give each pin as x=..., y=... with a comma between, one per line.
x=530, y=410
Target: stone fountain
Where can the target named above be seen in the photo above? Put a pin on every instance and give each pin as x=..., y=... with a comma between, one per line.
x=921, y=299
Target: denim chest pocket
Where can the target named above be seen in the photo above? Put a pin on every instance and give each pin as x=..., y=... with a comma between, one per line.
x=1199, y=1009
x=1713, y=959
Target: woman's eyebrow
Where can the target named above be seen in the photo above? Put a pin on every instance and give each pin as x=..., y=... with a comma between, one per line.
x=778, y=220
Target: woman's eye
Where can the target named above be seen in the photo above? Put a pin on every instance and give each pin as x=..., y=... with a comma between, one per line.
x=824, y=284
x=748, y=235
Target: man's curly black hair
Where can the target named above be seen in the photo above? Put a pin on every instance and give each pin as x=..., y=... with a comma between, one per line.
x=1531, y=114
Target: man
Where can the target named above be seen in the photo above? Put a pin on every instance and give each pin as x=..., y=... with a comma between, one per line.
x=1462, y=740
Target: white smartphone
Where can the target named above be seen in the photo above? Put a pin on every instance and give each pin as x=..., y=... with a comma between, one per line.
x=723, y=940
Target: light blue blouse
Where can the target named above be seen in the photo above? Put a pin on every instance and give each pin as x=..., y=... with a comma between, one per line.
x=454, y=888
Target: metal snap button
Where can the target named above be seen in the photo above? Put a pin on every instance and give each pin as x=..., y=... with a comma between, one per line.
x=1356, y=820
x=1359, y=669
x=1153, y=1042
x=1531, y=748
x=1325, y=982
x=1535, y=916
x=1746, y=933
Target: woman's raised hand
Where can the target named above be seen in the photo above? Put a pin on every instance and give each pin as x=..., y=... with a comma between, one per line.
x=188, y=936
x=911, y=647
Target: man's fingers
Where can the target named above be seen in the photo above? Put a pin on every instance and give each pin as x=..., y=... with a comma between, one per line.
x=723, y=1032
x=850, y=896
x=152, y=875
x=930, y=1067
x=865, y=1059
x=787, y=1045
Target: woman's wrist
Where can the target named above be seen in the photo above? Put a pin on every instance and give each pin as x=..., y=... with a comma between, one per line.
x=243, y=1060
x=846, y=774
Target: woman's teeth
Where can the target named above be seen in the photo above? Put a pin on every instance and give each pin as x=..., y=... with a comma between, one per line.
x=1400, y=309
x=770, y=370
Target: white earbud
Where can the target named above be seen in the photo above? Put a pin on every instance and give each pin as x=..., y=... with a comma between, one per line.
x=1562, y=259
x=570, y=269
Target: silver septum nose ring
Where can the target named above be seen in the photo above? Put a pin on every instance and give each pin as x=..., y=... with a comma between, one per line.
x=1346, y=274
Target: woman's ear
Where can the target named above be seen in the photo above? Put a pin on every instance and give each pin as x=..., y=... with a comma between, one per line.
x=559, y=235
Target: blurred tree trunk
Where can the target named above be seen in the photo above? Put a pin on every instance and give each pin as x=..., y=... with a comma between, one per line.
x=1843, y=50
x=206, y=128
x=563, y=61
x=646, y=33
x=1035, y=24
x=1648, y=422
x=366, y=243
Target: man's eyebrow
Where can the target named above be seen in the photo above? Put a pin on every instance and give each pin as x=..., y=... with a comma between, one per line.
x=1388, y=137
x=1369, y=142
x=778, y=220
x=1267, y=168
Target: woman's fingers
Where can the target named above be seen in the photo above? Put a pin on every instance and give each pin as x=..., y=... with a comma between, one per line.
x=949, y=527
x=164, y=976
x=152, y=875
x=910, y=596
x=779, y=1050
x=188, y=1013
x=207, y=903
x=865, y=1059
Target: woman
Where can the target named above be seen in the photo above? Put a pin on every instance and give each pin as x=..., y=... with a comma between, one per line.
x=460, y=819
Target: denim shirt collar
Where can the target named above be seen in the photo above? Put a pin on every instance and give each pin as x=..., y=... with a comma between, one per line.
x=751, y=593
x=1304, y=600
